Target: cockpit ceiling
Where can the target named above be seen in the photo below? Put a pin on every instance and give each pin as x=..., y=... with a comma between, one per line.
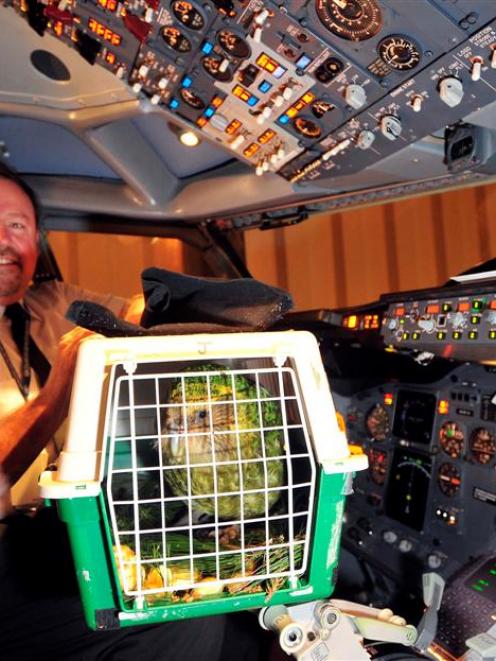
x=102, y=138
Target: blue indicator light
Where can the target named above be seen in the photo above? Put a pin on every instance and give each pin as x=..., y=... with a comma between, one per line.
x=174, y=104
x=303, y=61
x=265, y=86
x=209, y=112
x=187, y=82
x=252, y=101
x=283, y=119
x=207, y=47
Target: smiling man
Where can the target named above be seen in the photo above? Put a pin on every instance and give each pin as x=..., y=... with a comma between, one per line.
x=37, y=578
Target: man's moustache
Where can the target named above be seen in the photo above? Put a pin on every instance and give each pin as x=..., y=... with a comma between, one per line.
x=9, y=254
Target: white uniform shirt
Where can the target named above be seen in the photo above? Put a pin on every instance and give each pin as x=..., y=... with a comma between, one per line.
x=47, y=304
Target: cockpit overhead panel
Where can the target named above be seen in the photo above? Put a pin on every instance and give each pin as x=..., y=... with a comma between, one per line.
x=309, y=89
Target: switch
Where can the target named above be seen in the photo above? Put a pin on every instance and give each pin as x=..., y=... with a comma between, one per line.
x=391, y=127
x=219, y=122
x=137, y=87
x=155, y=99
x=416, y=102
x=355, y=96
x=223, y=66
x=238, y=141
x=259, y=169
x=493, y=59
x=143, y=70
x=476, y=69
x=451, y=91
x=278, y=100
x=365, y=139
x=149, y=15
x=162, y=83
x=288, y=91
x=262, y=17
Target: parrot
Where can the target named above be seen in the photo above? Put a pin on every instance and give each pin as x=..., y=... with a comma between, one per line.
x=198, y=430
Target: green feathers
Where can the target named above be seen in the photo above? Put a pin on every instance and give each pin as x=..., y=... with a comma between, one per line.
x=230, y=437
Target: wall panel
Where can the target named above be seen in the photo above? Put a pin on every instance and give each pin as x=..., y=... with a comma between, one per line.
x=334, y=260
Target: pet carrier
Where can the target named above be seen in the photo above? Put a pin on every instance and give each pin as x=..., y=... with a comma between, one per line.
x=201, y=474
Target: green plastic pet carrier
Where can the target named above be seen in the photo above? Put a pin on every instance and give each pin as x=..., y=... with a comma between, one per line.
x=201, y=474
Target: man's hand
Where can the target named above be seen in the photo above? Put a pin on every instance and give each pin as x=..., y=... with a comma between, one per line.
x=56, y=393
x=134, y=309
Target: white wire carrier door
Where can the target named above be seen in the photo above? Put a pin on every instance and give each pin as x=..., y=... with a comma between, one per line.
x=210, y=480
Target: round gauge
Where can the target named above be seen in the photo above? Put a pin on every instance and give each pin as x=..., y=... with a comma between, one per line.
x=320, y=108
x=329, y=69
x=191, y=98
x=176, y=40
x=482, y=445
x=233, y=44
x=225, y=7
x=378, y=466
x=355, y=20
x=451, y=439
x=399, y=53
x=307, y=127
x=212, y=66
x=449, y=479
x=188, y=15
x=377, y=423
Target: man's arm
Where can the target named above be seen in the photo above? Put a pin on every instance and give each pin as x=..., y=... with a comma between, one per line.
x=25, y=433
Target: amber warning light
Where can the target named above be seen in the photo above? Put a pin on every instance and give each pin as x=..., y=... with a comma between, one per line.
x=443, y=407
x=361, y=322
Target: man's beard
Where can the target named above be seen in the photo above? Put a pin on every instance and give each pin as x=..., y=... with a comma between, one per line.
x=11, y=276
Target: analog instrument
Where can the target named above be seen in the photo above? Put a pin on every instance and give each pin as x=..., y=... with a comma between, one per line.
x=449, y=479
x=307, y=127
x=399, y=53
x=233, y=44
x=212, y=66
x=320, y=108
x=482, y=445
x=377, y=423
x=188, y=15
x=451, y=439
x=378, y=466
x=176, y=40
x=191, y=98
x=355, y=20
x=225, y=7
x=329, y=69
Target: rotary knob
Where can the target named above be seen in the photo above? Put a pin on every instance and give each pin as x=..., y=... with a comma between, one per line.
x=389, y=536
x=451, y=91
x=434, y=561
x=365, y=139
x=391, y=127
x=355, y=96
x=405, y=545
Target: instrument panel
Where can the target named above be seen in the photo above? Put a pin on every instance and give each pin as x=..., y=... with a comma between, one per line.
x=428, y=500
x=308, y=89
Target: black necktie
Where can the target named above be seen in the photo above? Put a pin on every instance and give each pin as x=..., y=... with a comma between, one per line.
x=20, y=321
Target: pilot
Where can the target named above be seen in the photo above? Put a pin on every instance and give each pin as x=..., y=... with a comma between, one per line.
x=40, y=612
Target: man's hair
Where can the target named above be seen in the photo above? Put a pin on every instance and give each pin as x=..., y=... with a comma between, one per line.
x=11, y=175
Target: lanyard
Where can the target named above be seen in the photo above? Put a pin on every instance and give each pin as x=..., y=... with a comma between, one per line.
x=24, y=378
